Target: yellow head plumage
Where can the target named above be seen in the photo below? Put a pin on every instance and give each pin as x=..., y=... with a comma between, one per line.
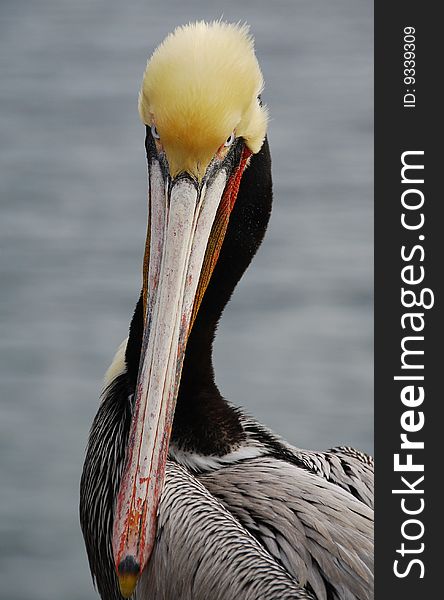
x=201, y=84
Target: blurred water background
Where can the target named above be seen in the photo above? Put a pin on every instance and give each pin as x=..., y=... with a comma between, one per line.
x=295, y=344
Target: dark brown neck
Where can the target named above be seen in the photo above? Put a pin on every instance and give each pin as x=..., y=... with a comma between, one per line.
x=204, y=422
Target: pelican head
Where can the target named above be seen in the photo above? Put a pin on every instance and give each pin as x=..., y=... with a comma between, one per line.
x=204, y=119
x=199, y=93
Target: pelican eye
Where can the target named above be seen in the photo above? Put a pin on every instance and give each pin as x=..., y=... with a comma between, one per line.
x=230, y=140
x=154, y=132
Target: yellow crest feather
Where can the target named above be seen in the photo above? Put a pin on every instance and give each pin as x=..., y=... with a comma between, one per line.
x=201, y=84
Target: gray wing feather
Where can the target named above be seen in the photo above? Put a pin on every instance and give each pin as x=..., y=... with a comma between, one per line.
x=348, y=468
x=203, y=553
x=353, y=470
x=318, y=531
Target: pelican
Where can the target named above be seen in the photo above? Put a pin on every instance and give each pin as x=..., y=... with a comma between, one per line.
x=183, y=496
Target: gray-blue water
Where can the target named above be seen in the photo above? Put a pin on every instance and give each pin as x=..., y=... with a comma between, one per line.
x=295, y=344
